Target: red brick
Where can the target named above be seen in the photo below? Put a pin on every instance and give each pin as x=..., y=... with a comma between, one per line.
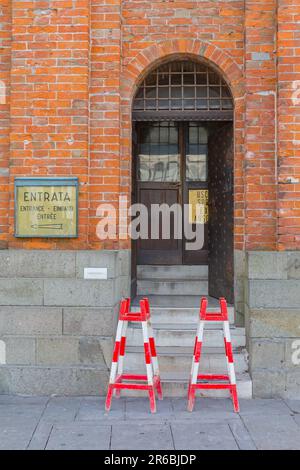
x=72, y=85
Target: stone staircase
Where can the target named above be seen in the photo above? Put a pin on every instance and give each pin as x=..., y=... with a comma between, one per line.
x=174, y=311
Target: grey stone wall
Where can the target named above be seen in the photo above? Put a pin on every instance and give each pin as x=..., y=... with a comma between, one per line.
x=272, y=317
x=56, y=327
x=239, y=286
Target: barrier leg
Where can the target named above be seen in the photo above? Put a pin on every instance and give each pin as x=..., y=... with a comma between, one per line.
x=195, y=365
x=122, y=354
x=108, y=398
x=152, y=401
x=114, y=365
x=154, y=361
x=149, y=367
x=191, y=397
x=230, y=366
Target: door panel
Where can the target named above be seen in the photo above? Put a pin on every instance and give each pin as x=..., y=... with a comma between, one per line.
x=220, y=237
x=160, y=251
x=195, y=183
x=172, y=167
x=158, y=180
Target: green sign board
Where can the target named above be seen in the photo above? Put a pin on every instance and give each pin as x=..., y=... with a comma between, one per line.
x=46, y=207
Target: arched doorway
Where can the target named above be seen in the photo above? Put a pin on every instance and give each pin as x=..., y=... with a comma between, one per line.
x=183, y=153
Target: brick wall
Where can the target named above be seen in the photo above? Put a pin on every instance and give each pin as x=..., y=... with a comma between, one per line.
x=5, y=55
x=105, y=63
x=288, y=124
x=75, y=65
x=49, y=100
x=260, y=78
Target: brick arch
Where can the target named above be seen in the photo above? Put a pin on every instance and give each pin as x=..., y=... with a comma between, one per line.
x=150, y=57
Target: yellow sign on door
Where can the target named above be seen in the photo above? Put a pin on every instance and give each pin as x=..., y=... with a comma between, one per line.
x=198, y=206
x=46, y=210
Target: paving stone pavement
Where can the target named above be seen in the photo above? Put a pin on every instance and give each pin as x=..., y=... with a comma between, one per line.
x=80, y=423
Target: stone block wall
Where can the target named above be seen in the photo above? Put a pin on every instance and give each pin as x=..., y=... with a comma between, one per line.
x=272, y=315
x=56, y=327
x=239, y=287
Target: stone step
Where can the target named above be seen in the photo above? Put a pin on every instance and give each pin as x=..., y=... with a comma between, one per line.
x=184, y=335
x=86, y=380
x=172, y=272
x=177, y=301
x=180, y=315
x=172, y=287
x=176, y=385
x=174, y=359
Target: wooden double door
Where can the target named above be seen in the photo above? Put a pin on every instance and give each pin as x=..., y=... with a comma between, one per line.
x=186, y=163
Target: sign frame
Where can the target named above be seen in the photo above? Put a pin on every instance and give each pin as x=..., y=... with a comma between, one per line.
x=43, y=181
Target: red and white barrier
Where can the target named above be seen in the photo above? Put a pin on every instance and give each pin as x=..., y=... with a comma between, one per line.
x=213, y=381
x=118, y=380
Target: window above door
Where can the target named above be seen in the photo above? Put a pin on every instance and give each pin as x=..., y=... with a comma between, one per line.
x=183, y=90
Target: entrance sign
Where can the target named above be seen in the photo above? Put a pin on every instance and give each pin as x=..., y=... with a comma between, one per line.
x=198, y=197
x=46, y=207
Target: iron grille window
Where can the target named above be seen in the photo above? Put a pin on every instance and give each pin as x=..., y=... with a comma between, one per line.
x=183, y=86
